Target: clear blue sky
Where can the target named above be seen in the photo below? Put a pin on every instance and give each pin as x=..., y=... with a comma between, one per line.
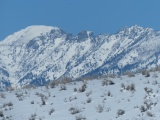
x=73, y=16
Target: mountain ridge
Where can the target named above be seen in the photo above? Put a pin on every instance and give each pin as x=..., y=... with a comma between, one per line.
x=39, y=54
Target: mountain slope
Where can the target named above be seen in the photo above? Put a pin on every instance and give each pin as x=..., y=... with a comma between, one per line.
x=39, y=54
x=130, y=98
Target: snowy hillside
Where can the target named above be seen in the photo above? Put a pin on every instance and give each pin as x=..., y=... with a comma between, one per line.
x=124, y=98
x=39, y=54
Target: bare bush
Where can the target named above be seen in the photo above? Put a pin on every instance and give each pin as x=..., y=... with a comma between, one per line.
x=148, y=104
x=65, y=80
x=120, y=112
x=32, y=102
x=130, y=87
x=54, y=83
x=1, y=114
x=145, y=73
x=155, y=82
x=149, y=114
x=33, y=117
x=7, y=104
x=80, y=117
x=43, y=101
x=100, y=108
x=63, y=87
x=83, y=88
x=107, y=82
x=112, y=75
x=142, y=108
x=75, y=89
x=2, y=95
x=20, y=96
x=129, y=74
x=74, y=110
x=10, y=104
x=123, y=86
x=155, y=75
x=51, y=111
x=109, y=93
x=89, y=100
x=157, y=68
x=148, y=90
x=41, y=95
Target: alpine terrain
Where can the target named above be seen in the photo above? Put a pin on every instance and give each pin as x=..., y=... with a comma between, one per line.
x=39, y=54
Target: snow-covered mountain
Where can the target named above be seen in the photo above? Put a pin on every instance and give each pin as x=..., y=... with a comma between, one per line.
x=38, y=54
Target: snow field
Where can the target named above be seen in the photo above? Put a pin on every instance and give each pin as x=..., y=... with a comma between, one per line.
x=128, y=98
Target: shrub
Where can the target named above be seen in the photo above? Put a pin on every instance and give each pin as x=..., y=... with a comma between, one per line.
x=10, y=104
x=80, y=117
x=112, y=75
x=42, y=96
x=43, y=101
x=142, y=108
x=63, y=87
x=75, y=89
x=89, y=100
x=74, y=110
x=148, y=90
x=83, y=88
x=148, y=104
x=145, y=73
x=33, y=117
x=51, y=111
x=32, y=102
x=120, y=112
x=2, y=95
x=130, y=74
x=155, y=82
x=1, y=114
x=53, y=83
x=123, y=86
x=107, y=82
x=19, y=96
x=100, y=108
x=149, y=114
x=155, y=75
x=109, y=93
x=130, y=87
x=65, y=80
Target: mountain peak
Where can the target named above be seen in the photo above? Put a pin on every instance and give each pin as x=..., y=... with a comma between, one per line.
x=25, y=35
x=134, y=31
x=136, y=28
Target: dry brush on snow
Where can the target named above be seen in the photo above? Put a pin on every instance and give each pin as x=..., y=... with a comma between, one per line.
x=124, y=98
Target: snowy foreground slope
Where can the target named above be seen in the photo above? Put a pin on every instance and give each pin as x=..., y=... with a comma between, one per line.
x=125, y=98
x=39, y=54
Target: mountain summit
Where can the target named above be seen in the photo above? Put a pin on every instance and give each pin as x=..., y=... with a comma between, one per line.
x=38, y=54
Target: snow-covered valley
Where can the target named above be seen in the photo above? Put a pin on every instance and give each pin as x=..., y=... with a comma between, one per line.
x=120, y=98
